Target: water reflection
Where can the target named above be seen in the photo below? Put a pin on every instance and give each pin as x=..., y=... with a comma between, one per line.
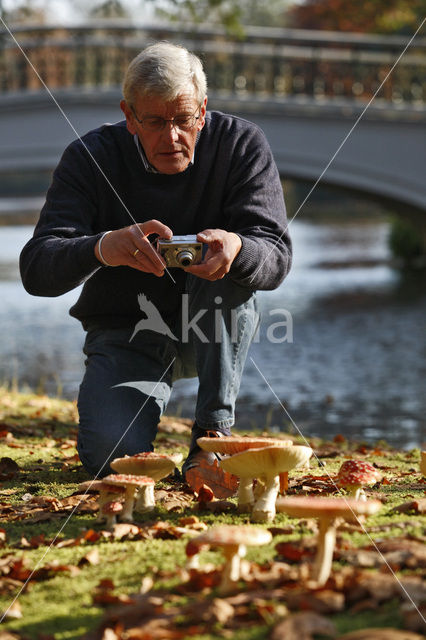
x=356, y=364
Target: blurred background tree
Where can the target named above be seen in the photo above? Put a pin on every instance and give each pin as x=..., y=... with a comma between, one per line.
x=109, y=9
x=371, y=16
x=231, y=14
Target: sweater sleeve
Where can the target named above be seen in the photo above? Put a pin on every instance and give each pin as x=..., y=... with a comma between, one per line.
x=256, y=212
x=60, y=255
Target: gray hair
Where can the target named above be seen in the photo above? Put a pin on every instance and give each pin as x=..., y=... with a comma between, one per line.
x=165, y=70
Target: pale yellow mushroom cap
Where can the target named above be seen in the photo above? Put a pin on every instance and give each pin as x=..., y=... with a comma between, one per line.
x=310, y=507
x=231, y=535
x=154, y=465
x=230, y=445
x=268, y=460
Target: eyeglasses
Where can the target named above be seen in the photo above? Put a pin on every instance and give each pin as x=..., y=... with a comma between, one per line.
x=183, y=122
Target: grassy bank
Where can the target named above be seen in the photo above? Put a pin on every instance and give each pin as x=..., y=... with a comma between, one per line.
x=70, y=572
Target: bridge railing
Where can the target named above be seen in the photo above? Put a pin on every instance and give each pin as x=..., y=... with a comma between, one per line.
x=268, y=63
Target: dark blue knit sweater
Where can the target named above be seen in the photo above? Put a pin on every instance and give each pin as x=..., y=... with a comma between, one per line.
x=233, y=185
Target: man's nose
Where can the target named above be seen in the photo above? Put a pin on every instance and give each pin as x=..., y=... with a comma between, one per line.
x=169, y=131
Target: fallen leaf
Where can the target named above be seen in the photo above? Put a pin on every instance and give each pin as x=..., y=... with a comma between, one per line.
x=8, y=469
x=121, y=530
x=415, y=506
x=14, y=612
x=293, y=552
x=217, y=506
x=222, y=483
x=92, y=557
x=303, y=626
x=205, y=494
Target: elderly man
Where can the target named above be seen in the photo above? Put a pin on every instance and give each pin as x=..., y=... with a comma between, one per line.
x=171, y=168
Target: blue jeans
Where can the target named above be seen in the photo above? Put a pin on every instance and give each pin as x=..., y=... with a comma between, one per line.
x=130, y=373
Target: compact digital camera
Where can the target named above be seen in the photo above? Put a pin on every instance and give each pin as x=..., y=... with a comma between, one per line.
x=181, y=251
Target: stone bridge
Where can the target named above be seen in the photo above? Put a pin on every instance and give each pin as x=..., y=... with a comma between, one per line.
x=309, y=91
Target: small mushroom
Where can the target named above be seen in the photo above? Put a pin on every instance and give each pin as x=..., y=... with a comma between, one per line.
x=110, y=511
x=106, y=491
x=265, y=464
x=328, y=511
x=150, y=464
x=354, y=475
x=233, y=540
x=131, y=485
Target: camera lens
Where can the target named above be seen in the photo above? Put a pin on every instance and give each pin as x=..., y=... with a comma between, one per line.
x=184, y=257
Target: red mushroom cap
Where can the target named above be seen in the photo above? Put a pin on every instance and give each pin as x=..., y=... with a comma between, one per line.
x=357, y=472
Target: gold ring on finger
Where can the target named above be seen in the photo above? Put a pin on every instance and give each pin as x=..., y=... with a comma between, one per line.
x=134, y=254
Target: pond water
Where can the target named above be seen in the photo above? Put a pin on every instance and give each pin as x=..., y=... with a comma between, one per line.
x=353, y=361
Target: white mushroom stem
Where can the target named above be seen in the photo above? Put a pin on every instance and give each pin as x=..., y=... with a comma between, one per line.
x=129, y=500
x=145, y=499
x=110, y=520
x=259, y=488
x=326, y=544
x=245, y=495
x=264, y=509
x=232, y=569
x=357, y=492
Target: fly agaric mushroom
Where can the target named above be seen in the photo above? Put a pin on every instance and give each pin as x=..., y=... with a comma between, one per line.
x=110, y=511
x=153, y=465
x=353, y=475
x=231, y=445
x=328, y=511
x=131, y=485
x=106, y=492
x=233, y=540
x=265, y=464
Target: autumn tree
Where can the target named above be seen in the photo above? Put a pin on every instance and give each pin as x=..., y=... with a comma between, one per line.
x=374, y=16
x=233, y=15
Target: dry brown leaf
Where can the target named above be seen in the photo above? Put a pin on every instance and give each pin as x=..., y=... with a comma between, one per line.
x=222, y=483
x=156, y=629
x=303, y=626
x=414, y=506
x=13, y=612
x=381, y=634
x=205, y=494
x=322, y=601
x=173, y=500
x=92, y=557
x=217, y=506
x=8, y=469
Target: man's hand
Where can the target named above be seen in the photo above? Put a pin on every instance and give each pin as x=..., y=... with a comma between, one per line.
x=130, y=247
x=223, y=248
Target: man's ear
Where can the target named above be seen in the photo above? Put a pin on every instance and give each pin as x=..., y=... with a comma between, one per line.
x=202, y=118
x=130, y=119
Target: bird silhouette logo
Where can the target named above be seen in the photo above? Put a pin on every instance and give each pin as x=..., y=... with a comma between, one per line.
x=153, y=320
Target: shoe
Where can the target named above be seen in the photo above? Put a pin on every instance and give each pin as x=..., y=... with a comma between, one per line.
x=202, y=468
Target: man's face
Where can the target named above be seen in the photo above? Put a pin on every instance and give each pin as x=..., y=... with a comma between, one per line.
x=169, y=150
